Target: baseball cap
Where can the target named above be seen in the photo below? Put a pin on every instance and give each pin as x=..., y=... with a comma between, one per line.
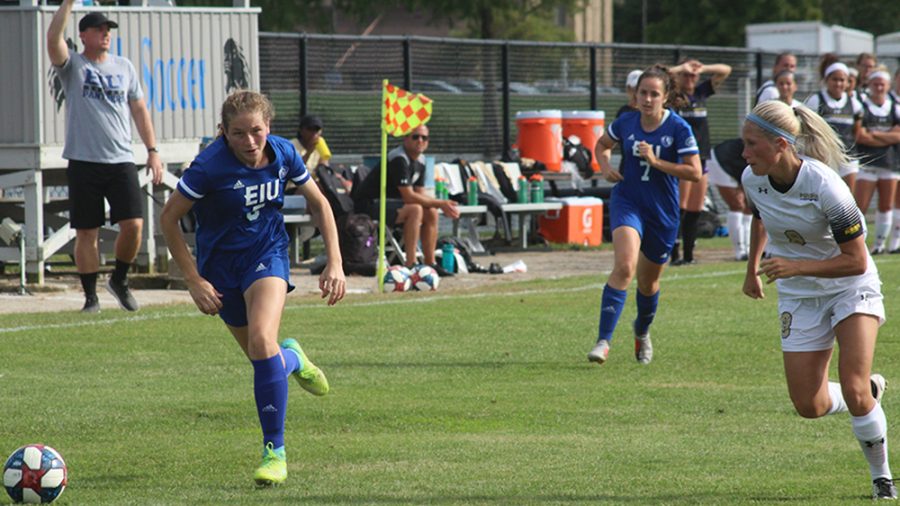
x=311, y=122
x=632, y=80
x=94, y=20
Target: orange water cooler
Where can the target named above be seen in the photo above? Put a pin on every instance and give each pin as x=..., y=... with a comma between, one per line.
x=580, y=221
x=588, y=126
x=540, y=137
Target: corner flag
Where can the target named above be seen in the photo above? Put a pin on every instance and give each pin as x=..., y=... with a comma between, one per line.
x=401, y=113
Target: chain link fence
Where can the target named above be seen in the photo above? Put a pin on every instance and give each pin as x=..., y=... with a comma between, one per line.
x=478, y=86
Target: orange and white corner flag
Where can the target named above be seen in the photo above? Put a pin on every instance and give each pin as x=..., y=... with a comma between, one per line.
x=402, y=111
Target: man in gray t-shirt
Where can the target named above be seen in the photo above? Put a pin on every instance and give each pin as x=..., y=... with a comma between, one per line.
x=102, y=95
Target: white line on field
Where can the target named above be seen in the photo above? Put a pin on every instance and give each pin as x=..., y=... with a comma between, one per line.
x=417, y=300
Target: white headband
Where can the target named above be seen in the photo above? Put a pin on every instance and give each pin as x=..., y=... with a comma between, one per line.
x=834, y=67
x=880, y=73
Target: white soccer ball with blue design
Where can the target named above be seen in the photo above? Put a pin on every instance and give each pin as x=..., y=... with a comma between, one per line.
x=35, y=474
x=397, y=279
x=425, y=278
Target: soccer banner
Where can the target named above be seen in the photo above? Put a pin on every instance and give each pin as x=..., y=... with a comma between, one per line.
x=401, y=113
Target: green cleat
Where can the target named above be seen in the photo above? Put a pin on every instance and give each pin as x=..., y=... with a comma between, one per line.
x=273, y=470
x=310, y=377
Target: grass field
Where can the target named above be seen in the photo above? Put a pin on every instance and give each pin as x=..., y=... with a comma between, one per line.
x=453, y=398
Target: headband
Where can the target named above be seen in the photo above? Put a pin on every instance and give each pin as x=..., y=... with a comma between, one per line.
x=880, y=73
x=834, y=67
x=765, y=125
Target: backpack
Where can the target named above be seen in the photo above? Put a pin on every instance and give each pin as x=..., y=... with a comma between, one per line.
x=332, y=185
x=580, y=155
x=358, y=238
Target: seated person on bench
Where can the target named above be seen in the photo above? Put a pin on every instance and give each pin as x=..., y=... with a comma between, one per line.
x=406, y=200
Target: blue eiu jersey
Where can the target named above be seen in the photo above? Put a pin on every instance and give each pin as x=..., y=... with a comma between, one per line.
x=238, y=208
x=651, y=189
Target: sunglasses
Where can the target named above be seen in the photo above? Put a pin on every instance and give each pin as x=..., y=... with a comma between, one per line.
x=417, y=137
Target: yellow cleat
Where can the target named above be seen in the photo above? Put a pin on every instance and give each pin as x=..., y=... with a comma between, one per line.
x=273, y=470
x=310, y=377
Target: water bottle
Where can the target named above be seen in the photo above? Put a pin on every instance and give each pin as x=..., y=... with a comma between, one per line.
x=473, y=191
x=537, y=189
x=448, y=261
x=522, y=194
x=439, y=188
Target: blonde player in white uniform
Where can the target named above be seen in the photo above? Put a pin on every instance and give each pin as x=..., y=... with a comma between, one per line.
x=828, y=286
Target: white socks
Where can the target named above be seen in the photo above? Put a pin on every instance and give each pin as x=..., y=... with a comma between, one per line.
x=736, y=233
x=837, y=398
x=882, y=229
x=895, y=231
x=871, y=431
x=745, y=229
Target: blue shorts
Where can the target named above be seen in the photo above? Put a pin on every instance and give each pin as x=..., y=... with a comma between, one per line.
x=232, y=273
x=657, y=238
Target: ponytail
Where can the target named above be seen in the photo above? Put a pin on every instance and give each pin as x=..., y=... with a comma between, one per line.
x=814, y=137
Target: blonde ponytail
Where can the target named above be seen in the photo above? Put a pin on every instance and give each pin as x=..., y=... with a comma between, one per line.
x=813, y=137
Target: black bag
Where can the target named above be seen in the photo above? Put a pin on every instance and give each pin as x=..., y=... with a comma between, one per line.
x=506, y=186
x=332, y=186
x=580, y=156
x=358, y=237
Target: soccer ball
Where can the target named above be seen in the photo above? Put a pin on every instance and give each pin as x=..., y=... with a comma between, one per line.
x=35, y=474
x=425, y=278
x=397, y=279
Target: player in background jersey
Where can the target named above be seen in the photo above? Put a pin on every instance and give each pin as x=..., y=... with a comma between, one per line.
x=235, y=188
x=658, y=149
x=768, y=89
x=693, y=110
x=877, y=142
x=865, y=64
x=840, y=110
x=828, y=285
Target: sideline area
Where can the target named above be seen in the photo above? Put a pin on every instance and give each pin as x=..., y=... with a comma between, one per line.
x=63, y=293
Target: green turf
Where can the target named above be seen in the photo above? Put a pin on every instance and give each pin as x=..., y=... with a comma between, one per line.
x=454, y=398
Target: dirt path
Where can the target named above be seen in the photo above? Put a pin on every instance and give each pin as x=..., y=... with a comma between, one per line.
x=63, y=292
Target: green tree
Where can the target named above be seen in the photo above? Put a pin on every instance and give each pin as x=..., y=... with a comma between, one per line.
x=704, y=22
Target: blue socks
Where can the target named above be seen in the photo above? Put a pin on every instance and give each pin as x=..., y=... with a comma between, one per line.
x=646, y=310
x=611, y=304
x=291, y=361
x=270, y=388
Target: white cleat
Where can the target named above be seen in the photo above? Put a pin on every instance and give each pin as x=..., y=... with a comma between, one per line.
x=879, y=384
x=600, y=352
x=643, y=348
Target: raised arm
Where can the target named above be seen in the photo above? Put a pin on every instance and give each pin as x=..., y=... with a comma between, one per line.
x=56, y=44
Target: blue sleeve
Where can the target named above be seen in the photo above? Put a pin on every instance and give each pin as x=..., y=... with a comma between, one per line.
x=296, y=168
x=613, y=129
x=194, y=183
x=685, y=141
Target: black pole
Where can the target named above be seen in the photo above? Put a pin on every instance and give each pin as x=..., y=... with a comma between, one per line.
x=304, y=81
x=677, y=56
x=407, y=65
x=504, y=70
x=593, y=56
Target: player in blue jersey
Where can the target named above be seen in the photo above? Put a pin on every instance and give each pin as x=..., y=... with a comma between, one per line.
x=658, y=149
x=235, y=189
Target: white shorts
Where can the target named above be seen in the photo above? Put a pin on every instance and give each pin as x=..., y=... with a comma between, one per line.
x=718, y=176
x=850, y=168
x=874, y=174
x=807, y=324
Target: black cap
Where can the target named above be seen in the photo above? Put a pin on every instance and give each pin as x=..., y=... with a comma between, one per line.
x=95, y=20
x=311, y=122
